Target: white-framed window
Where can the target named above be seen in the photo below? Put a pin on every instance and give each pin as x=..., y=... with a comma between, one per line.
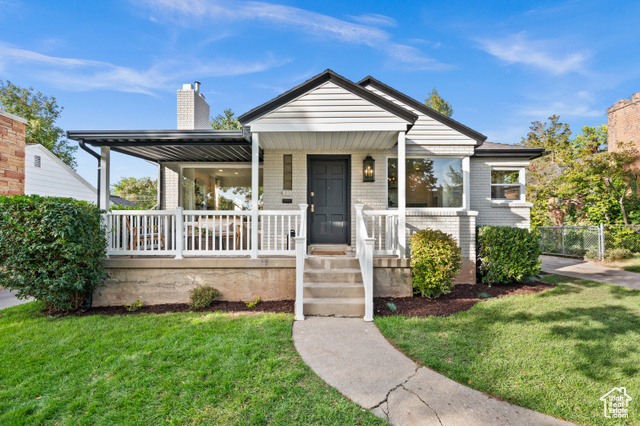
x=217, y=186
x=508, y=183
x=431, y=182
x=37, y=161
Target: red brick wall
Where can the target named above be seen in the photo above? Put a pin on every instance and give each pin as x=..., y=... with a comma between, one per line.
x=12, y=135
x=624, y=123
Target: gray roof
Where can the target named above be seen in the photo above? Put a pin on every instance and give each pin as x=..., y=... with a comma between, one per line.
x=323, y=77
x=119, y=201
x=172, y=145
x=423, y=108
x=492, y=149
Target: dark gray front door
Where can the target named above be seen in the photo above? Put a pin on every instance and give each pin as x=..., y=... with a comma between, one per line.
x=329, y=196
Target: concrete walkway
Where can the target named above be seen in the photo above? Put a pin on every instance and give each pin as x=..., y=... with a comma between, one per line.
x=8, y=299
x=352, y=356
x=587, y=270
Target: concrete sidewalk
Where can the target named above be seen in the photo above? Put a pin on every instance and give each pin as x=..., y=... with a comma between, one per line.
x=587, y=270
x=352, y=356
x=8, y=299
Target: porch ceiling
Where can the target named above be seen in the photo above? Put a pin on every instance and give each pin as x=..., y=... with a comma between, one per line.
x=328, y=140
x=173, y=145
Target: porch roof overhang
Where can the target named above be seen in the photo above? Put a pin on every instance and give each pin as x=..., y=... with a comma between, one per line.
x=494, y=149
x=172, y=145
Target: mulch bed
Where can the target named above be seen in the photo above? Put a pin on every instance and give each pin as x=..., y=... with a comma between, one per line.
x=461, y=298
x=265, y=306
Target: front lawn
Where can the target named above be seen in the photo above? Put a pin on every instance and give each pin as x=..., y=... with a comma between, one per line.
x=182, y=368
x=556, y=352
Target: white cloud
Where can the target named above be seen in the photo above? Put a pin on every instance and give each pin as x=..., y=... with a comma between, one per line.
x=519, y=49
x=576, y=108
x=318, y=24
x=375, y=19
x=84, y=74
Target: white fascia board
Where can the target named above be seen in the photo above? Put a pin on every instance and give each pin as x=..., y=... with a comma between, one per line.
x=335, y=127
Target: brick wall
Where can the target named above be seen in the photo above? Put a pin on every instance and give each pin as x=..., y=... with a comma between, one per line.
x=12, y=146
x=624, y=123
x=170, y=188
x=193, y=110
x=512, y=213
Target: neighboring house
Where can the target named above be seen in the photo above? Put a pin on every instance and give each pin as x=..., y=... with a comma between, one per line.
x=49, y=176
x=624, y=124
x=345, y=167
x=12, y=141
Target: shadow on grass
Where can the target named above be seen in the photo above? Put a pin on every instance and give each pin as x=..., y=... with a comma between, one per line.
x=591, y=333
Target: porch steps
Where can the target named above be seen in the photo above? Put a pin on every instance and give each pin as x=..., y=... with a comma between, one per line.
x=333, y=286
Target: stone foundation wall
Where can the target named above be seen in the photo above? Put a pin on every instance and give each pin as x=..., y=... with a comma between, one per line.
x=159, y=281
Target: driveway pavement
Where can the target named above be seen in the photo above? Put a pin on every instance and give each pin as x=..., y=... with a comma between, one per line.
x=587, y=270
x=8, y=299
x=352, y=356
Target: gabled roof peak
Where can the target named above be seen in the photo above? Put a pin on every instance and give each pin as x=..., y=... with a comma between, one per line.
x=423, y=108
x=318, y=80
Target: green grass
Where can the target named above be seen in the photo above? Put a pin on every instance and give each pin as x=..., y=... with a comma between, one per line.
x=556, y=352
x=194, y=368
x=632, y=264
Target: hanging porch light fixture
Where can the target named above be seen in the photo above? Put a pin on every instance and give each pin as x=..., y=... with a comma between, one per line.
x=369, y=169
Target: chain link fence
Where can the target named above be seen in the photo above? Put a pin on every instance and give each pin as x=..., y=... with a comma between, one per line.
x=594, y=242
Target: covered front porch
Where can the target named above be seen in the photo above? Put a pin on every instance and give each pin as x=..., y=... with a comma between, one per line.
x=267, y=247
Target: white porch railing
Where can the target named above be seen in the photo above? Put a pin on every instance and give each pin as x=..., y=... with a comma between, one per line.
x=364, y=253
x=382, y=226
x=203, y=232
x=142, y=232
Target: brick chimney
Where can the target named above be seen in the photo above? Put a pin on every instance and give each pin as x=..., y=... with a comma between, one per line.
x=193, y=110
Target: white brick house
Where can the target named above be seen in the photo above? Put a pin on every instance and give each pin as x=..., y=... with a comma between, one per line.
x=345, y=167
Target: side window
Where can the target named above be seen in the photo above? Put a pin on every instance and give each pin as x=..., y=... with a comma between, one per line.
x=507, y=184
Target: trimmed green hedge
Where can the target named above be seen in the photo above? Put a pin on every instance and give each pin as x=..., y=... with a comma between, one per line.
x=507, y=254
x=51, y=249
x=436, y=259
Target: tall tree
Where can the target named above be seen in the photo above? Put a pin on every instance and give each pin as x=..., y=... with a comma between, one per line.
x=228, y=121
x=41, y=113
x=592, y=140
x=543, y=172
x=142, y=191
x=436, y=102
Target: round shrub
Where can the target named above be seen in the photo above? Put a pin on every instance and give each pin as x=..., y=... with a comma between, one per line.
x=436, y=259
x=51, y=249
x=507, y=254
x=202, y=297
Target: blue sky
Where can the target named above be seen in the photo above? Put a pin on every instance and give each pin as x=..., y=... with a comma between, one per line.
x=118, y=64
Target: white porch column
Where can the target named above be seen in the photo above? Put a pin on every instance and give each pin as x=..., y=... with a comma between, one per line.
x=402, y=195
x=466, y=182
x=255, y=182
x=105, y=185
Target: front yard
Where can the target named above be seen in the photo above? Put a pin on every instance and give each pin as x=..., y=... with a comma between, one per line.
x=182, y=368
x=632, y=264
x=556, y=352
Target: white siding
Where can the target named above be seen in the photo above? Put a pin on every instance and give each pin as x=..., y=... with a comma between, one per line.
x=329, y=104
x=54, y=178
x=328, y=140
x=426, y=130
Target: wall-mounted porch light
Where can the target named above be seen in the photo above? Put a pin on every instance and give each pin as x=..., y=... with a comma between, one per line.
x=369, y=169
